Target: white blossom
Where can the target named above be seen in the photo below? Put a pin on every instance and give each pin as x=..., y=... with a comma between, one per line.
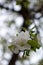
x=20, y=41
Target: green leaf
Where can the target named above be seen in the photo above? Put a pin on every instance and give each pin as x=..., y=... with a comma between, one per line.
x=11, y=47
x=34, y=44
x=28, y=22
x=27, y=52
x=24, y=29
x=41, y=62
x=33, y=36
x=26, y=3
x=18, y=2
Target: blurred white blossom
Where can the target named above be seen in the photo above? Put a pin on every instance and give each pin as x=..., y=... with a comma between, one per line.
x=20, y=41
